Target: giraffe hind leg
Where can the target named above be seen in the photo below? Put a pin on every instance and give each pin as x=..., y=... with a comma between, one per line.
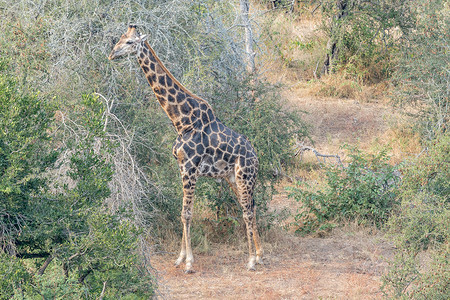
x=244, y=192
x=182, y=255
x=249, y=214
x=257, y=240
x=248, y=218
x=186, y=217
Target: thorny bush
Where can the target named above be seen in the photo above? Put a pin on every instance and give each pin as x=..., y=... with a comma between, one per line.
x=364, y=191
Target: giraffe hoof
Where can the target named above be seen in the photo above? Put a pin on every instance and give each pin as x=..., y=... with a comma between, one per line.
x=178, y=262
x=188, y=269
x=251, y=268
x=259, y=260
x=251, y=264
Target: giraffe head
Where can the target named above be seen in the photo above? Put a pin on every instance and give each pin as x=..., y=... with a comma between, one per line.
x=128, y=43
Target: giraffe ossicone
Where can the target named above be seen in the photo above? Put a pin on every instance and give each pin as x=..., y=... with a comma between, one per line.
x=204, y=146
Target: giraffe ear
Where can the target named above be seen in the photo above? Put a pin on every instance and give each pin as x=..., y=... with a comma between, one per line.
x=131, y=28
x=143, y=37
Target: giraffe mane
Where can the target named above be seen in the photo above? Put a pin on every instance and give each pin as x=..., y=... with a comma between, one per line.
x=187, y=91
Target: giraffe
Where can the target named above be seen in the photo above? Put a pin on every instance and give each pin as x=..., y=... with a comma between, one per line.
x=204, y=146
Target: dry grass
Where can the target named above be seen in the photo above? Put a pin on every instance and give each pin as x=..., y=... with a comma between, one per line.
x=341, y=85
x=345, y=266
x=295, y=45
x=336, y=121
x=403, y=140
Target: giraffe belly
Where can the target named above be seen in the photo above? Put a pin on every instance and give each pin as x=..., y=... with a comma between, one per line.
x=215, y=169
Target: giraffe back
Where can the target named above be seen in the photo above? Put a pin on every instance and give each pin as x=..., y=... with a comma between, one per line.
x=215, y=151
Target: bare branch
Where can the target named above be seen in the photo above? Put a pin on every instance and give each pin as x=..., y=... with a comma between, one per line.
x=302, y=148
x=102, y=294
x=45, y=265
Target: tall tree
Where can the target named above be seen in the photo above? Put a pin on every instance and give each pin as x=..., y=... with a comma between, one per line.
x=245, y=7
x=332, y=49
x=364, y=33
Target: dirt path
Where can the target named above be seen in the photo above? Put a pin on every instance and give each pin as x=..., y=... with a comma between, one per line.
x=345, y=266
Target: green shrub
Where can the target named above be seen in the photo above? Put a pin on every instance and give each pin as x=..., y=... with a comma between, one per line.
x=25, y=154
x=419, y=227
x=421, y=78
x=53, y=208
x=13, y=275
x=365, y=191
x=366, y=35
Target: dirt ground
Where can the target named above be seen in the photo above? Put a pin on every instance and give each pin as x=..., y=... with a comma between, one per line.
x=346, y=264
x=343, y=266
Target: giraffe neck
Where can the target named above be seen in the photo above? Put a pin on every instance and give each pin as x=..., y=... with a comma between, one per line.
x=186, y=110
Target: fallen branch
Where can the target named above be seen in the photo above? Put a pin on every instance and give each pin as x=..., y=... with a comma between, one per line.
x=103, y=291
x=314, y=10
x=321, y=158
x=45, y=265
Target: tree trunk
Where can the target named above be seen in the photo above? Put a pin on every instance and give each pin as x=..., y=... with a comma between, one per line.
x=83, y=275
x=103, y=291
x=332, y=49
x=245, y=5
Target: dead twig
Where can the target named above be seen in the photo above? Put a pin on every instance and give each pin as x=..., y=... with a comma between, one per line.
x=321, y=158
x=45, y=265
x=103, y=291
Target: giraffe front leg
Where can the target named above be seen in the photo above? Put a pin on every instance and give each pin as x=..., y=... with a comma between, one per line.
x=186, y=217
x=182, y=255
x=248, y=218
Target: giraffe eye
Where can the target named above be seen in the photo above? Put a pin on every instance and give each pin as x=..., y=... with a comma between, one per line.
x=130, y=42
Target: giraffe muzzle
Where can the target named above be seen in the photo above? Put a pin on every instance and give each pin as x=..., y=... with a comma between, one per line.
x=112, y=55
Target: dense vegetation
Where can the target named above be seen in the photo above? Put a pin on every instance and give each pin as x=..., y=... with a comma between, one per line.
x=408, y=46
x=58, y=237
x=87, y=174
x=363, y=191
x=88, y=185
